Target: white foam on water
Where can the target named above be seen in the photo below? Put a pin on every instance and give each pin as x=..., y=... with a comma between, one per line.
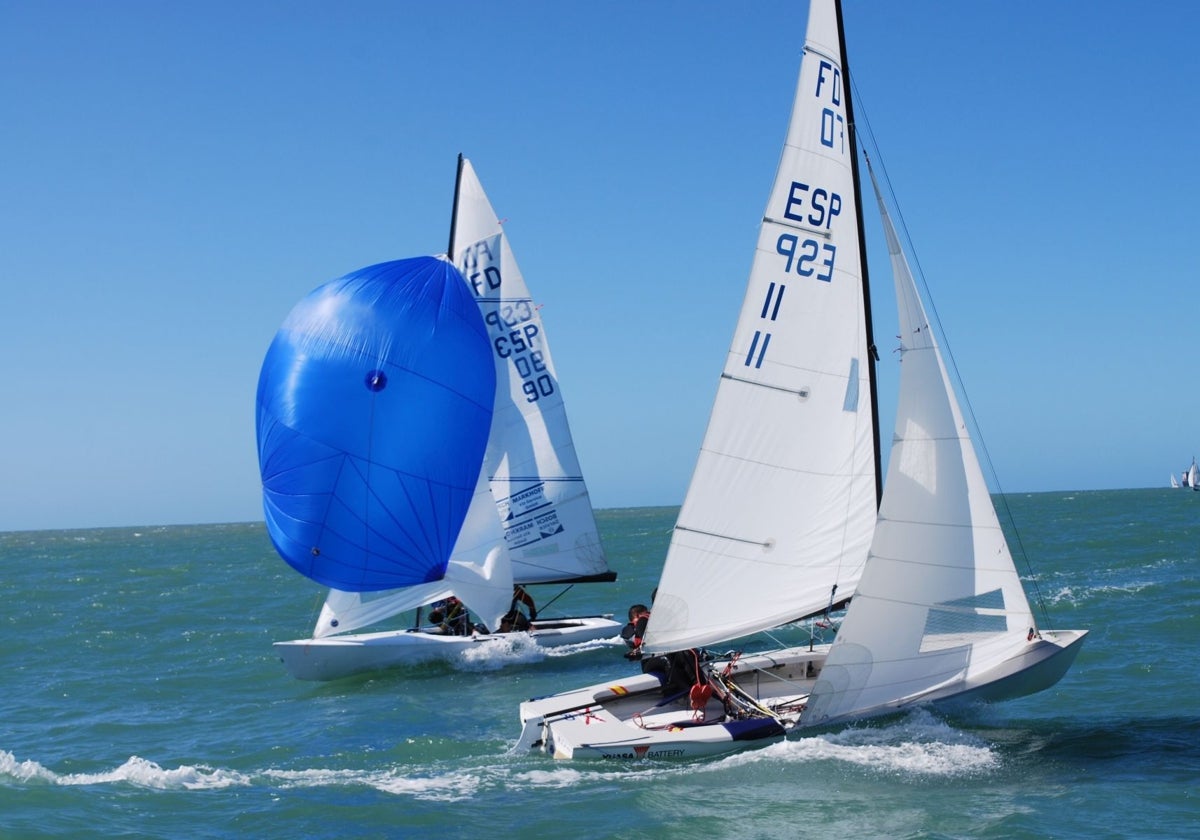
x=584, y=647
x=135, y=771
x=511, y=649
x=919, y=745
x=22, y=771
x=520, y=649
x=563, y=775
x=453, y=786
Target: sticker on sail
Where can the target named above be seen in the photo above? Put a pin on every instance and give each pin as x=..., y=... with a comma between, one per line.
x=523, y=533
x=532, y=530
x=518, y=504
x=480, y=265
x=548, y=524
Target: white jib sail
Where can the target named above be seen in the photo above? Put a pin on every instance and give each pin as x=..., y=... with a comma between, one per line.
x=543, y=502
x=782, y=503
x=940, y=600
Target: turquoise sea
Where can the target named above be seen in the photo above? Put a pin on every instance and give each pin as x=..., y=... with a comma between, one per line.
x=139, y=697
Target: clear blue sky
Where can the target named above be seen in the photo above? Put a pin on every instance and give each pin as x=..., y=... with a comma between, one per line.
x=177, y=175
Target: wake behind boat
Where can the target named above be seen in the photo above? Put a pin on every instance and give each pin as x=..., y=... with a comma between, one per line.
x=335, y=657
x=784, y=517
x=378, y=398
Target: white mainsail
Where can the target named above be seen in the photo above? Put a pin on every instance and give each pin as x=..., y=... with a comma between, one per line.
x=781, y=506
x=940, y=601
x=532, y=500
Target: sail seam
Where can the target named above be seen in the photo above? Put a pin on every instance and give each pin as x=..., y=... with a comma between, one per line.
x=535, y=478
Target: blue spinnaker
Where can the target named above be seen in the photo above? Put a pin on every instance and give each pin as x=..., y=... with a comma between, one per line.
x=374, y=406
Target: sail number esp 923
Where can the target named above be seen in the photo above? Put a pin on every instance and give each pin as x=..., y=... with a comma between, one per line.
x=812, y=206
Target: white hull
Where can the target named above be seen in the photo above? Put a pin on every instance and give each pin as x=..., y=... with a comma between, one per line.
x=630, y=719
x=1038, y=666
x=334, y=657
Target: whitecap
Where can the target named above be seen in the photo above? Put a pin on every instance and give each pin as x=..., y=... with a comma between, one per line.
x=135, y=771
x=511, y=649
x=920, y=745
x=22, y=771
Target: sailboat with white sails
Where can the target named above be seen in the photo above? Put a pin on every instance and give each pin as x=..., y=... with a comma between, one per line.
x=531, y=519
x=1189, y=478
x=784, y=516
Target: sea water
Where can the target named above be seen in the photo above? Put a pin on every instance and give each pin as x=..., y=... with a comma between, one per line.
x=139, y=697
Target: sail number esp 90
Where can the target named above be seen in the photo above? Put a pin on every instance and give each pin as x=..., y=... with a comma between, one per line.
x=516, y=341
x=512, y=324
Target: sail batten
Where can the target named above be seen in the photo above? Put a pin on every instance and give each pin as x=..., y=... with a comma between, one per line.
x=799, y=392
x=794, y=226
x=730, y=537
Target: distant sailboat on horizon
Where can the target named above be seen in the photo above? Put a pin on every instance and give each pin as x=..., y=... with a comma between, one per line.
x=781, y=521
x=1188, y=478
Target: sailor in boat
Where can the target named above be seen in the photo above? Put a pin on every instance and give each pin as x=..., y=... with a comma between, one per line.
x=678, y=671
x=632, y=632
x=451, y=616
x=515, y=619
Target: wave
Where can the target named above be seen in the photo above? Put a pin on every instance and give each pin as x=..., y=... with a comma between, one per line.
x=520, y=649
x=918, y=745
x=136, y=771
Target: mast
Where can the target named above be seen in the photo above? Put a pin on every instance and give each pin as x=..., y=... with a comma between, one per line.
x=872, y=350
x=454, y=220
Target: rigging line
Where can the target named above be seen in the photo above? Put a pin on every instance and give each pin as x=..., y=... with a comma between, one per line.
x=555, y=598
x=763, y=672
x=745, y=699
x=946, y=351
